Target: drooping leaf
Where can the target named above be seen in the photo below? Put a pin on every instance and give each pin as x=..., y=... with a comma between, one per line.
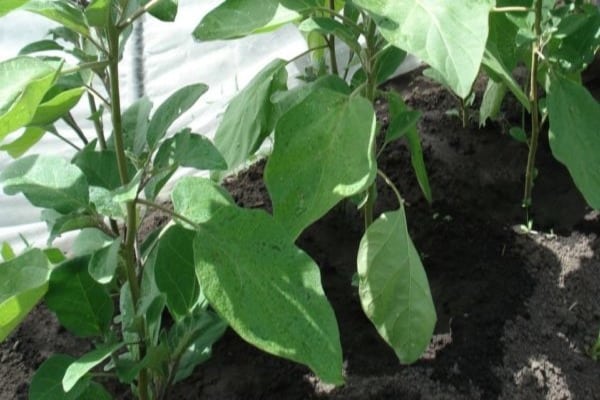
x=393, y=287
x=174, y=270
x=48, y=182
x=23, y=83
x=246, y=122
x=574, y=136
x=81, y=304
x=326, y=144
x=23, y=143
x=235, y=18
x=199, y=199
x=63, y=12
x=40, y=45
x=51, y=110
x=59, y=223
x=46, y=382
x=23, y=282
x=448, y=35
x=104, y=263
x=171, y=109
x=500, y=73
x=80, y=367
x=267, y=289
x=98, y=13
x=492, y=101
x=189, y=149
x=165, y=10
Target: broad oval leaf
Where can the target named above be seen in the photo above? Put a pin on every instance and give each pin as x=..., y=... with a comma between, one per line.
x=46, y=382
x=174, y=270
x=41, y=45
x=80, y=367
x=449, y=35
x=104, y=262
x=574, y=136
x=23, y=83
x=268, y=290
x=23, y=143
x=326, y=143
x=48, y=182
x=23, y=282
x=199, y=199
x=171, y=109
x=81, y=304
x=393, y=287
x=189, y=149
x=235, y=18
x=247, y=120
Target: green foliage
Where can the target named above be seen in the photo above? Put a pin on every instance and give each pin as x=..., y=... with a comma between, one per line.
x=46, y=384
x=574, y=120
x=79, y=368
x=330, y=154
x=24, y=282
x=393, y=287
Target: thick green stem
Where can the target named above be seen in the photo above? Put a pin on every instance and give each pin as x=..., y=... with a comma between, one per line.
x=331, y=44
x=534, y=99
x=130, y=233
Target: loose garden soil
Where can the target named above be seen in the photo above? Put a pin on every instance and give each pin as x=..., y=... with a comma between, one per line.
x=516, y=312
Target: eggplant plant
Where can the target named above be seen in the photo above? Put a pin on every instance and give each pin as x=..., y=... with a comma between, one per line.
x=555, y=41
x=141, y=299
x=326, y=140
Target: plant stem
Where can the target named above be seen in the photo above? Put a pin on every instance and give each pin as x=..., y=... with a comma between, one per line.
x=82, y=66
x=130, y=233
x=511, y=9
x=299, y=56
x=331, y=43
x=533, y=97
x=97, y=122
x=389, y=182
x=69, y=120
x=64, y=139
x=137, y=13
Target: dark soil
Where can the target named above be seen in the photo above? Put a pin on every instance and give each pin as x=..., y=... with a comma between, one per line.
x=516, y=312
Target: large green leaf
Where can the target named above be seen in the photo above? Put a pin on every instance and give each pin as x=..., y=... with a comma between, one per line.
x=104, y=262
x=171, y=109
x=500, y=73
x=81, y=304
x=63, y=12
x=79, y=368
x=393, y=287
x=135, y=125
x=174, y=270
x=46, y=383
x=189, y=149
x=23, y=282
x=23, y=143
x=199, y=199
x=98, y=13
x=574, y=134
x=268, y=290
x=247, y=119
x=323, y=153
x=51, y=110
x=48, y=182
x=23, y=83
x=235, y=18
x=449, y=35
x=100, y=167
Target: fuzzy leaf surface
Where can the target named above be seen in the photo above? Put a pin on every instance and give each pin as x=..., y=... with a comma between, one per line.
x=393, y=287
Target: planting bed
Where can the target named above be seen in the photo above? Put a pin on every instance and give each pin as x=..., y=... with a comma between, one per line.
x=516, y=312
